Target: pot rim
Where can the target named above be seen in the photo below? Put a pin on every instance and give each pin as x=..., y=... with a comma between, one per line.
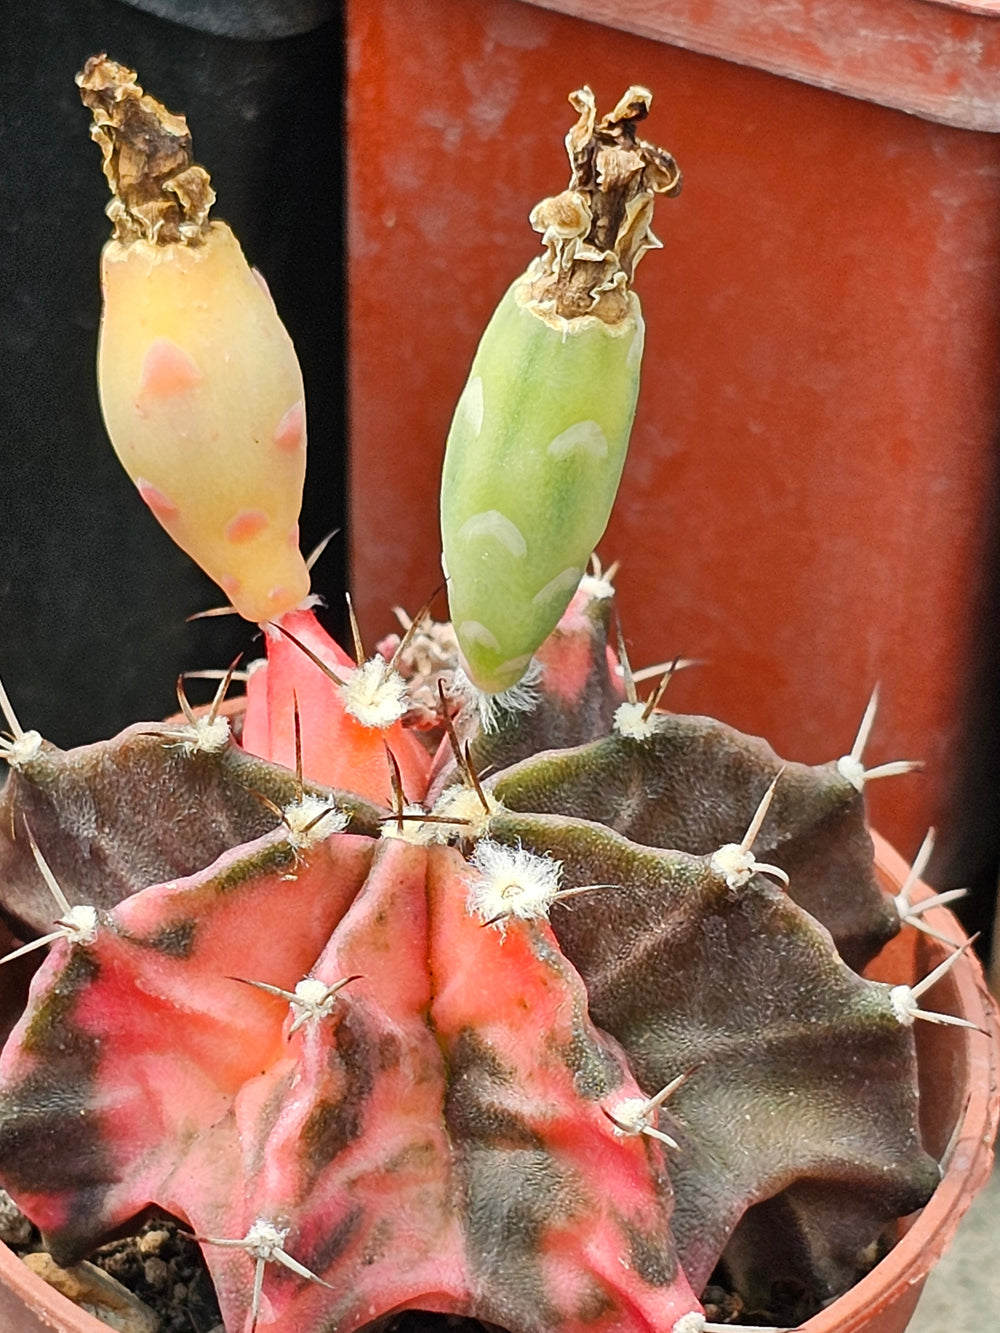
x=970, y=1151
x=905, y=1267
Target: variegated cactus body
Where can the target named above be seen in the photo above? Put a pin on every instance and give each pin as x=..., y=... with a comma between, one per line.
x=437, y=1099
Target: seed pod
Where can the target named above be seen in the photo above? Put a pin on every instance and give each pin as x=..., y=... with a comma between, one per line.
x=199, y=383
x=533, y=462
x=538, y=440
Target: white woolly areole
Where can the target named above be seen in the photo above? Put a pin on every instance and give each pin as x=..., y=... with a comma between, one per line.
x=905, y=1004
x=462, y=804
x=631, y=1116
x=264, y=1240
x=599, y=588
x=410, y=830
x=692, y=1322
x=853, y=770
x=523, y=697
x=463, y=690
x=512, y=882
x=312, y=999
x=311, y=993
x=630, y=723
x=22, y=749
x=299, y=816
x=79, y=925
x=374, y=693
x=205, y=735
x=734, y=863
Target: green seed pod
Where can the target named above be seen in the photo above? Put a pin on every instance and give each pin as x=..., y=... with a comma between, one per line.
x=532, y=467
x=538, y=441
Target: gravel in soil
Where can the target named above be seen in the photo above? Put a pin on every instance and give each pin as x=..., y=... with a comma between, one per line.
x=163, y=1266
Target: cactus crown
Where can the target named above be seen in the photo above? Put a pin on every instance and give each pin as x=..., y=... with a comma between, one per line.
x=537, y=1007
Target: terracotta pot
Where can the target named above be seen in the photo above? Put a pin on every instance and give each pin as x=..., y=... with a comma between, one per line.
x=960, y=1107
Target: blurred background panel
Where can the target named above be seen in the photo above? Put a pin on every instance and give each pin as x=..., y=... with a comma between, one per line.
x=93, y=594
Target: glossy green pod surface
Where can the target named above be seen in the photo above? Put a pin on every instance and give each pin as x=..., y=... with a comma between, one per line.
x=532, y=466
x=538, y=441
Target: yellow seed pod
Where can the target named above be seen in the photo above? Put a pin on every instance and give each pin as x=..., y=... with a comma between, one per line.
x=199, y=382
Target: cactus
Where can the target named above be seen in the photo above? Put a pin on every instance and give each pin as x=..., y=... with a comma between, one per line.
x=532, y=1006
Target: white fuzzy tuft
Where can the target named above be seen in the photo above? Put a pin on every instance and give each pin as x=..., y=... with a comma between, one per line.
x=512, y=882
x=600, y=589
x=631, y=723
x=311, y=999
x=374, y=693
x=462, y=804
x=631, y=1116
x=264, y=1240
x=411, y=830
x=692, y=1322
x=905, y=1004
x=79, y=925
x=853, y=770
x=312, y=819
x=310, y=992
x=204, y=736
x=22, y=749
x=735, y=864
x=523, y=697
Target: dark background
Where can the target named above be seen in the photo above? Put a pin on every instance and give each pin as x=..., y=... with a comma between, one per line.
x=93, y=594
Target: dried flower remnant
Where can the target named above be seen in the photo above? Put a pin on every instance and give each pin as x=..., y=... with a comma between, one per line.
x=159, y=193
x=596, y=231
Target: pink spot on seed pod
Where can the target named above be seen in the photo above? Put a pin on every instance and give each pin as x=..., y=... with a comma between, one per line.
x=262, y=283
x=230, y=585
x=291, y=432
x=248, y=524
x=167, y=370
x=279, y=593
x=292, y=539
x=159, y=503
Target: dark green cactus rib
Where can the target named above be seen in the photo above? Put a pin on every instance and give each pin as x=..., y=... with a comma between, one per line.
x=801, y=1077
x=693, y=785
x=135, y=810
